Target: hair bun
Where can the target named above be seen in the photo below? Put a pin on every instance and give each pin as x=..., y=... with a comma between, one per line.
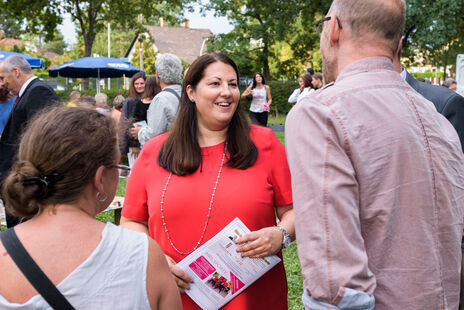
x=35, y=185
x=43, y=186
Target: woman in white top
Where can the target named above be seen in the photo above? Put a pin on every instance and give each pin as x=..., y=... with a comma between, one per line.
x=67, y=172
x=261, y=102
x=306, y=88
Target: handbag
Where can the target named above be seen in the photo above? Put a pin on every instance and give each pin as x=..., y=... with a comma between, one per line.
x=32, y=271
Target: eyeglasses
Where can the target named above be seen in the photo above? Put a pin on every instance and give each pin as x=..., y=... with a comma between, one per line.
x=123, y=171
x=321, y=22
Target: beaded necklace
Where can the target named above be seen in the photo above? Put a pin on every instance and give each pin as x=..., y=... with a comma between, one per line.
x=209, y=209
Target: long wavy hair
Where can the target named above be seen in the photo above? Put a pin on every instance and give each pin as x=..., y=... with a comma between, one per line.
x=181, y=153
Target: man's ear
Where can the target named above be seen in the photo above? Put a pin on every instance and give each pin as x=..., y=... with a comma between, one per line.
x=16, y=72
x=334, y=30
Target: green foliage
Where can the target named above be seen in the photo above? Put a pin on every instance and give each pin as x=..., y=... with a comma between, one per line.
x=121, y=39
x=90, y=16
x=280, y=91
x=265, y=29
x=435, y=29
x=428, y=75
x=57, y=44
x=149, y=55
x=10, y=26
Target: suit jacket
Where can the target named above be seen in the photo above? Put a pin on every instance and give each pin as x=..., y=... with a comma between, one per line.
x=36, y=96
x=447, y=102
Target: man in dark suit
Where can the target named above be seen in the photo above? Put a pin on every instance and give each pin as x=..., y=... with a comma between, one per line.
x=33, y=95
x=447, y=102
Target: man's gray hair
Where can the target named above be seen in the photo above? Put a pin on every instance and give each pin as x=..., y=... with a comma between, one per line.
x=169, y=68
x=118, y=102
x=101, y=100
x=448, y=82
x=16, y=61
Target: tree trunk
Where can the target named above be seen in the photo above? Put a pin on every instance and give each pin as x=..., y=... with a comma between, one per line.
x=89, y=38
x=266, y=71
x=445, y=64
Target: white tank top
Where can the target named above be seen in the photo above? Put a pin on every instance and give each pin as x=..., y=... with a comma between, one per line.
x=112, y=277
x=259, y=100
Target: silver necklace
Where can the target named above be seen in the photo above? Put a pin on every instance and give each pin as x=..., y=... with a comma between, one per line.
x=163, y=194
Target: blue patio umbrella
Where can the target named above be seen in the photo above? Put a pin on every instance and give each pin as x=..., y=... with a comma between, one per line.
x=96, y=67
x=35, y=62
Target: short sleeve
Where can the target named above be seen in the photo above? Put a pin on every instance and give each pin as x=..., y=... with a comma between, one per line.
x=135, y=202
x=280, y=173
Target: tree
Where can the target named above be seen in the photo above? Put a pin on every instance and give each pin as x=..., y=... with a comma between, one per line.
x=90, y=16
x=121, y=39
x=265, y=29
x=435, y=28
x=149, y=55
x=10, y=26
x=56, y=45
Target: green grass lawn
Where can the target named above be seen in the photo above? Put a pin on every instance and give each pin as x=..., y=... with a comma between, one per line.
x=277, y=120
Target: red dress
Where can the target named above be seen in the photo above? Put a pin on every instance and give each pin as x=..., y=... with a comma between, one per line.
x=249, y=194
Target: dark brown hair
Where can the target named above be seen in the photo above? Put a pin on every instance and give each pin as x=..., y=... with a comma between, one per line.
x=181, y=153
x=254, y=79
x=307, y=80
x=65, y=147
x=132, y=93
x=152, y=88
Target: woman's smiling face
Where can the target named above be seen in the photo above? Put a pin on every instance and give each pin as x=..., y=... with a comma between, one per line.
x=216, y=96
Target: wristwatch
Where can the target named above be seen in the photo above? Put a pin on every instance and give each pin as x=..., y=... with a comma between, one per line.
x=287, y=240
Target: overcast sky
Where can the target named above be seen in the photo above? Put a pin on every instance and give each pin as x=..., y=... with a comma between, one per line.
x=215, y=24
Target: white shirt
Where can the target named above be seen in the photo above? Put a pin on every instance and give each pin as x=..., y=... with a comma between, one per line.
x=23, y=88
x=114, y=276
x=306, y=92
x=403, y=74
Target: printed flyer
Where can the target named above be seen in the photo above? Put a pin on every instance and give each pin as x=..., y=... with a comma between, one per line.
x=219, y=273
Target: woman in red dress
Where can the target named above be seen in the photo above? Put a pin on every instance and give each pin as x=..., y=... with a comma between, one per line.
x=210, y=168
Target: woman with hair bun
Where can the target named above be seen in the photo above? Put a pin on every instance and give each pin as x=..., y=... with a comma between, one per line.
x=66, y=173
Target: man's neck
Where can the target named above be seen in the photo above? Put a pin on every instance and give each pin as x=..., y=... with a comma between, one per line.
x=164, y=85
x=352, y=53
x=23, y=81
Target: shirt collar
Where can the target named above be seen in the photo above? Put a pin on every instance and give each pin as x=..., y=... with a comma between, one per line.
x=403, y=73
x=365, y=65
x=23, y=88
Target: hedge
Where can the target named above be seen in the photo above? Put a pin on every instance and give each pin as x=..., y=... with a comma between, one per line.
x=64, y=94
x=427, y=75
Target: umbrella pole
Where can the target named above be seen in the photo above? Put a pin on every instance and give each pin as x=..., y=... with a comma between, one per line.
x=98, y=81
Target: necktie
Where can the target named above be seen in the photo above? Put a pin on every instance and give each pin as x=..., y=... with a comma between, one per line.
x=16, y=100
